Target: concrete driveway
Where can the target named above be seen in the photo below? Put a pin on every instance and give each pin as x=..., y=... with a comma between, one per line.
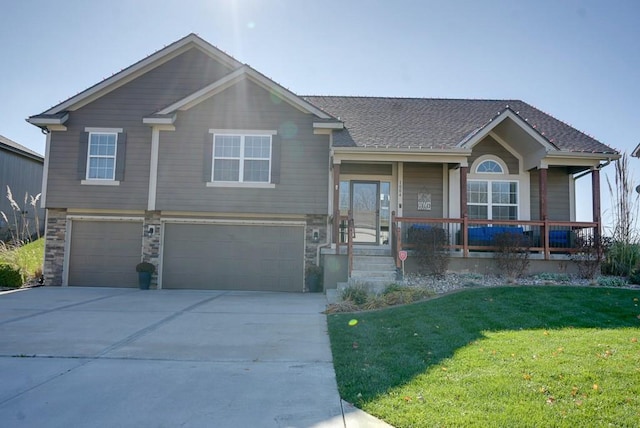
x=105, y=357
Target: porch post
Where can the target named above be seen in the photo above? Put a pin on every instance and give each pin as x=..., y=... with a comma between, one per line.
x=595, y=190
x=336, y=203
x=464, y=170
x=544, y=229
x=463, y=191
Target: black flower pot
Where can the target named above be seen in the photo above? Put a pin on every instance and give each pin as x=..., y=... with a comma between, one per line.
x=144, y=280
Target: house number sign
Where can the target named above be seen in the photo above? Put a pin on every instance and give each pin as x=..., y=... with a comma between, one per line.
x=424, y=201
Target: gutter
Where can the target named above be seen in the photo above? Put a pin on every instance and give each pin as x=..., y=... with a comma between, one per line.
x=599, y=167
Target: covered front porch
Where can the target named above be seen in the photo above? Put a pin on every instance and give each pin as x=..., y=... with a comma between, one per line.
x=381, y=200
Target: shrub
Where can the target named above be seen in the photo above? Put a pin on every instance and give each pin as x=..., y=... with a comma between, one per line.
x=10, y=277
x=588, y=257
x=612, y=281
x=356, y=294
x=430, y=250
x=634, y=276
x=550, y=276
x=512, y=254
x=145, y=267
x=620, y=258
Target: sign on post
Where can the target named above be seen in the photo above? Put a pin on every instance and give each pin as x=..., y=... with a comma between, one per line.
x=402, y=255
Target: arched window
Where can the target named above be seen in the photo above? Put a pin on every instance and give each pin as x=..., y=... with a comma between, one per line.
x=489, y=167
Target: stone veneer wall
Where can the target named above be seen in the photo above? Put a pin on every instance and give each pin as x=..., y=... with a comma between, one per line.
x=314, y=222
x=54, y=246
x=151, y=244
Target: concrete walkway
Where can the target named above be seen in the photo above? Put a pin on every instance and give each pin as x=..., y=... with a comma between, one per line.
x=105, y=357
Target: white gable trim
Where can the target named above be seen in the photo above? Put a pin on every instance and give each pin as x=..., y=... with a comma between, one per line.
x=488, y=128
x=208, y=91
x=234, y=77
x=142, y=67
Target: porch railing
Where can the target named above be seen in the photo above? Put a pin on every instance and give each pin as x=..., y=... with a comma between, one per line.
x=346, y=233
x=466, y=235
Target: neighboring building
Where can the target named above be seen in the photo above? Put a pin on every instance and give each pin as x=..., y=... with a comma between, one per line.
x=226, y=180
x=636, y=152
x=21, y=170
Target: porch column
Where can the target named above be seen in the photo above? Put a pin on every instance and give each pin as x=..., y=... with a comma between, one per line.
x=464, y=170
x=336, y=203
x=595, y=190
x=544, y=229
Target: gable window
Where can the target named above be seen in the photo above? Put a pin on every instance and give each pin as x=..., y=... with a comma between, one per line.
x=493, y=198
x=489, y=167
x=101, y=158
x=242, y=159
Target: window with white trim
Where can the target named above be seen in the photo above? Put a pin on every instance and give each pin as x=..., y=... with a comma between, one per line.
x=493, y=199
x=241, y=158
x=101, y=156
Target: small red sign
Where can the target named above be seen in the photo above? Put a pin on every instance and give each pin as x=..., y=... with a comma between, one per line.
x=402, y=255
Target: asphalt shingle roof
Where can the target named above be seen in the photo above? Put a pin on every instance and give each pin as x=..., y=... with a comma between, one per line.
x=438, y=123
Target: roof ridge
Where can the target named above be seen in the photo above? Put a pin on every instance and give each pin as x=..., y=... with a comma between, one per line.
x=414, y=98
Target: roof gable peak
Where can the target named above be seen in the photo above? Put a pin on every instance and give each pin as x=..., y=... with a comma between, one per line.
x=143, y=66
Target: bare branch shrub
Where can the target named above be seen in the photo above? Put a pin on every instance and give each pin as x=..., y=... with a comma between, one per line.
x=431, y=250
x=589, y=256
x=512, y=254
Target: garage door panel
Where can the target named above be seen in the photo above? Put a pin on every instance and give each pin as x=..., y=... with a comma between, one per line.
x=104, y=253
x=233, y=257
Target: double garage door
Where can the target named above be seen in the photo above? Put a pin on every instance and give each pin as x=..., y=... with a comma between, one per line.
x=233, y=257
x=195, y=256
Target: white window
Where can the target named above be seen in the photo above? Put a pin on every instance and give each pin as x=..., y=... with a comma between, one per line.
x=101, y=156
x=241, y=158
x=494, y=198
x=489, y=167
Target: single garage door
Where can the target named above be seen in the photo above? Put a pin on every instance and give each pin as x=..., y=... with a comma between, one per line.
x=233, y=257
x=105, y=253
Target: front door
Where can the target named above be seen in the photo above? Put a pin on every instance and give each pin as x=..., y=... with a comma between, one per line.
x=365, y=206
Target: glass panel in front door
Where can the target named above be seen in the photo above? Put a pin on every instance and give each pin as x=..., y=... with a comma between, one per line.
x=365, y=205
x=385, y=211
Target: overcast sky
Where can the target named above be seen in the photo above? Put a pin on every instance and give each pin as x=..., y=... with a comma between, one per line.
x=576, y=60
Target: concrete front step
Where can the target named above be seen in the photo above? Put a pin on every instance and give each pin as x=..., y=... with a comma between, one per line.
x=371, y=251
x=376, y=262
x=389, y=275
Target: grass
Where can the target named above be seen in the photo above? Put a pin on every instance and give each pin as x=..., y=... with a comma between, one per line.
x=507, y=356
x=28, y=258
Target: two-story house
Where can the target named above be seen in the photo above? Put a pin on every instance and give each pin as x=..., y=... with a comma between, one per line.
x=226, y=180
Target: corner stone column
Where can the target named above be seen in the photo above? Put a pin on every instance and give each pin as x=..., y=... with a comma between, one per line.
x=55, y=236
x=151, y=244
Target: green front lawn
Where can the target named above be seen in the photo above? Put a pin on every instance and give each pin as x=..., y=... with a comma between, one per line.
x=508, y=356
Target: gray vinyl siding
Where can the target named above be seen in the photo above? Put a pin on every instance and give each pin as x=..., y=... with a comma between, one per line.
x=22, y=174
x=419, y=178
x=489, y=146
x=366, y=169
x=123, y=108
x=558, y=194
x=303, y=183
